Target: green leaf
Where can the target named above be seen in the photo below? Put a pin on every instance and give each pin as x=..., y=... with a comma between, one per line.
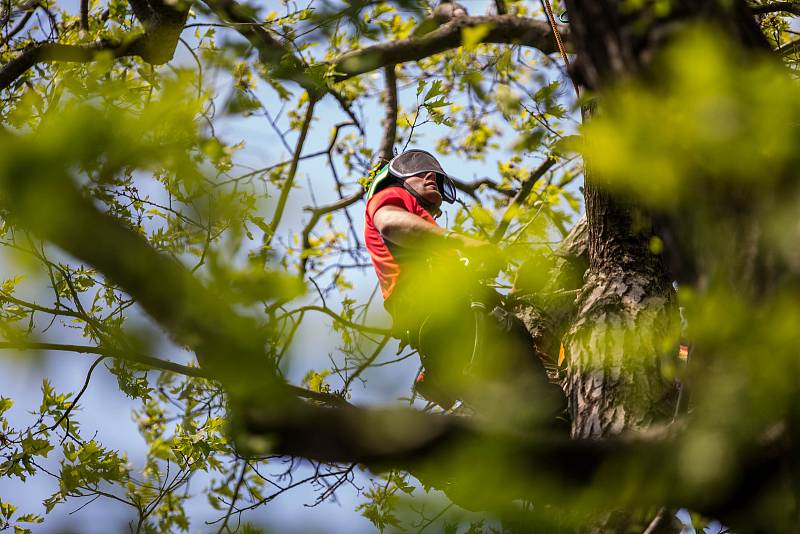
x=316, y=381
x=5, y=404
x=7, y=509
x=30, y=518
x=435, y=90
x=472, y=36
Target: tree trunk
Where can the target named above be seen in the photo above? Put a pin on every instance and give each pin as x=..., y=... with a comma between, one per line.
x=616, y=344
x=626, y=325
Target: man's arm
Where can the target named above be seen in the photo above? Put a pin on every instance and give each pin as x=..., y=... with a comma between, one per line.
x=405, y=229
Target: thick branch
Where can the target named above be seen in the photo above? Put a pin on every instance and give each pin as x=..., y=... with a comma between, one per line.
x=270, y=50
x=787, y=7
x=84, y=21
x=505, y=29
x=386, y=150
x=156, y=46
x=47, y=52
x=541, y=466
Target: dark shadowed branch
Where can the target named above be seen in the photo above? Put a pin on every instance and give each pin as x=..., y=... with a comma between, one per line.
x=775, y=7
x=84, y=20
x=156, y=45
x=271, y=51
x=788, y=48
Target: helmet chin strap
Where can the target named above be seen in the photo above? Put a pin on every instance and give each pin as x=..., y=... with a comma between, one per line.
x=429, y=206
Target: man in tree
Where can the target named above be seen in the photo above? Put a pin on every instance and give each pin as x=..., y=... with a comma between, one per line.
x=483, y=356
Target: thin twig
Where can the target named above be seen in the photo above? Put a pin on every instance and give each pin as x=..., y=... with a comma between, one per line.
x=339, y=319
x=233, y=499
x=287, y=185
x=519, y=198
x=78, y=396
x=369, y=361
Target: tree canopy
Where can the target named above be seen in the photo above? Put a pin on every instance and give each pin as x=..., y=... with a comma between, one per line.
x=181, y=197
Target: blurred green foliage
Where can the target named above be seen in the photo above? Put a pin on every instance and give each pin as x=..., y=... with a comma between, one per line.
x=706, y=122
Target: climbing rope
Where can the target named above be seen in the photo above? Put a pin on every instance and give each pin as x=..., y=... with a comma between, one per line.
x=548, y=9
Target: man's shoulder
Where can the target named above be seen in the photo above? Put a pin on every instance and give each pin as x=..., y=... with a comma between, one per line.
x=392, y=192
x=393, y=196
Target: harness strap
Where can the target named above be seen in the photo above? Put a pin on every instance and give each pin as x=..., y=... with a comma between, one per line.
x=428, y=206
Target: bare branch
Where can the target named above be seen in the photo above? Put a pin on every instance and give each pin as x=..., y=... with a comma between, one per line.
x=316, y=214
x=369, y=361
x=78, y=396
x=788, y=48
x=347, y=108
x=287, y=185
x=519, y=198
x=386, y=150
x=471, y=188
x=339, y=319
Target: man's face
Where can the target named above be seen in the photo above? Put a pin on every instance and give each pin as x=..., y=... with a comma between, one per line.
x=425, y=185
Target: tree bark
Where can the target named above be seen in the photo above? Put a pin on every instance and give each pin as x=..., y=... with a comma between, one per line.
x=627, y=304
x=615, y=345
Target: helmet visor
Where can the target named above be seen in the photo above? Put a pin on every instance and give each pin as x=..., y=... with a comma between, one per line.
x=446, y=188
x=413, y=162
